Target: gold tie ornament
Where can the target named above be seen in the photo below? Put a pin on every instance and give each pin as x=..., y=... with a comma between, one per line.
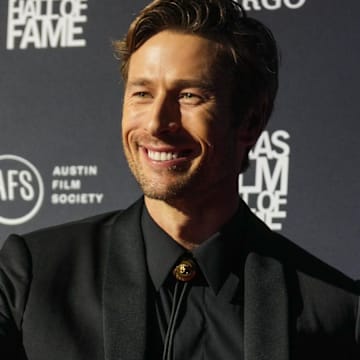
x=185, y=271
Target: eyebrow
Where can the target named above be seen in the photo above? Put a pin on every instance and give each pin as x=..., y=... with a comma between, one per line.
x=181, y=83
x=139, y=82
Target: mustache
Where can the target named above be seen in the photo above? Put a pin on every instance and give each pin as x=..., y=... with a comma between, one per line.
x=165, y=140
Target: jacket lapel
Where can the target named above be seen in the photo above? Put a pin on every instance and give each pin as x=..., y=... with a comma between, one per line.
x=266, y=301
x=266, y=323
x=125, y=288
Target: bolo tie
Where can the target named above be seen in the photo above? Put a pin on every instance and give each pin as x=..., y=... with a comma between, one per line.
x=184, y=272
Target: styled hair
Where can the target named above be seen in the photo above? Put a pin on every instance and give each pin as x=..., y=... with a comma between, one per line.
x=248, y=50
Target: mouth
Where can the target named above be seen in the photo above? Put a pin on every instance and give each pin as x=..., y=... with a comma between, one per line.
x=166, y=155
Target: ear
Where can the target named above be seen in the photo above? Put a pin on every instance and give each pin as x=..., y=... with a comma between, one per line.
x=249, y=131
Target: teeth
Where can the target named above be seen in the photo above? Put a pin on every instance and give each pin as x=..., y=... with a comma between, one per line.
x=162, y=156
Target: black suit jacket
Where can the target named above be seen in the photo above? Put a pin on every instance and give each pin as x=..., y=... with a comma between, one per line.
x=79, y=291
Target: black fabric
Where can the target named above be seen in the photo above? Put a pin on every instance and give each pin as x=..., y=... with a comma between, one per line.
x=82, y=291
x=210, y=324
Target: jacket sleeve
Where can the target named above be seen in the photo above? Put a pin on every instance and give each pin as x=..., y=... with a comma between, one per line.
x=15, y=279
x=357, y=327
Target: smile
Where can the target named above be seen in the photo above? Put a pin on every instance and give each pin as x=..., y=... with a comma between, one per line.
x=162, y=156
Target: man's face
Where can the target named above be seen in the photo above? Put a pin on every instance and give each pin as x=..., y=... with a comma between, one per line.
x=176, y=126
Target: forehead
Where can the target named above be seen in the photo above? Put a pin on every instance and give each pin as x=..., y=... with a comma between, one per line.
x=172, y=54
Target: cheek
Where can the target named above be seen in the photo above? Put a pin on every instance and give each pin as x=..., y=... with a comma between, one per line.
x=124, y=129
x=127, y=134
x=204, y=125
x=214, y=134
x=131, y=120
x=133, y=114
x=129, y=138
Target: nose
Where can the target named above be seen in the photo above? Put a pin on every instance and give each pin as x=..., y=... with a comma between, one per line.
x=164, y=116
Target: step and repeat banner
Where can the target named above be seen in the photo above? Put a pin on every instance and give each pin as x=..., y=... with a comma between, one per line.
x=60, y=110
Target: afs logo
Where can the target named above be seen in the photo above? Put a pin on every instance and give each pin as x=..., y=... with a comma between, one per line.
x=21, y=190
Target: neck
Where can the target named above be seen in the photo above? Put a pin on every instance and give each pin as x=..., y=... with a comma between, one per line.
x=190, y=223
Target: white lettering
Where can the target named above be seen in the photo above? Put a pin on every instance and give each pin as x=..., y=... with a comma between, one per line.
x=3, y=191
x=27, y=190
x=46, y=23
x=270, y=4
x=263, y=147
x=278, y=139
x=30, y=10
x=294, y=5
x=31, y=35
x=12, y=183
x=75, y=170
x=250, y=4
x=54, y=35
x=66, y=184
x=265, y=187
x=67, y=8
x=71, y=40
x=278, y=178
x=271, y=213
x=16, y=184
x=76, y=199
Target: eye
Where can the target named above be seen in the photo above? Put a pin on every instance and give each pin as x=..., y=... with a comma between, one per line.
x=188, y=95
x=142, y=94
x=141, y=97
x=190, y=98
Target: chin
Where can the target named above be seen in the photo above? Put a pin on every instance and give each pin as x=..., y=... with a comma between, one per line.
x=167, y=193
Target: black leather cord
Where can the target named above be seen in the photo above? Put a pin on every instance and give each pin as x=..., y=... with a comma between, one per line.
x=179, y=295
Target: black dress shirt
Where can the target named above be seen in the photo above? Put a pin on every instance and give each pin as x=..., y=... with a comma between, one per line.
x=210, y=325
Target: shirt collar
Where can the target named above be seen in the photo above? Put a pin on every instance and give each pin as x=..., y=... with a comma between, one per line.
x=162, y=252
x=211, y=258
x=214, y=256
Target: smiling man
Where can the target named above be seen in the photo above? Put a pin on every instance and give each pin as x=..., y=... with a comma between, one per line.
x=186, y=272
x=179, y=135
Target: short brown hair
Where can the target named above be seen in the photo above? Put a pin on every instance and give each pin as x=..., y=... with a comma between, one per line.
x=248, y=45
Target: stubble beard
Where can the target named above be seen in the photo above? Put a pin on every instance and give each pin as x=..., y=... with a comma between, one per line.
x=185, y=185
x=181, y=186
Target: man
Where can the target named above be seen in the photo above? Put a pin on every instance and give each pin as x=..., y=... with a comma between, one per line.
x=187, y=272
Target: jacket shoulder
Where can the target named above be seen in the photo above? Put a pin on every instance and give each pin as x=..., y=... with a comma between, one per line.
x=268, y=243
x=322, y=299
x=89, y=234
